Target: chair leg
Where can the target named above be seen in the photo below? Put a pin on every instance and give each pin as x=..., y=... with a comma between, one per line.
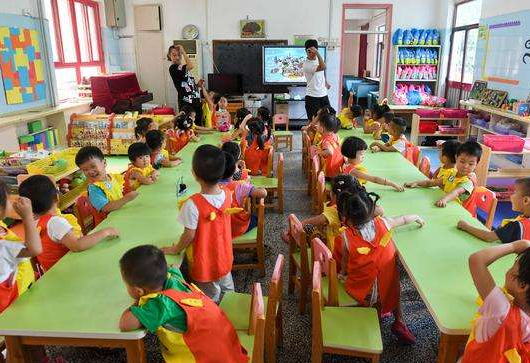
x=280, y=202
x=261, y=259
x=375, y=358
x=292, y=276
x=303, y=295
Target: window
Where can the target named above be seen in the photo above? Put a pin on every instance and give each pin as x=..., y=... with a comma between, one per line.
x=380, y=45
x=76, y=42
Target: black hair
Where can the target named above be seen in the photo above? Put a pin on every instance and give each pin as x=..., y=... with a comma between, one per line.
x=356, y=110
x=379, y=110
x=525, y=184
x=326, y=110
x=311, y=43
x=345, y=183
x=449, y=149
x=241, y=113
x=88, y=152
x=208, y=164
x=256, y=128
x=137, y=149
x=216, y=98
x=154, y=139
x=142, y=125
x=230, y=165
x=3, y=196
x=264, y=114
x=351, y=145
x=233, y=149
x=329, y=122
x=357, y=208
x=524, y=271
x=145, y=267
x=471, y=148
x=401, y=123
x=187, y=109
x=183, y=122
x=41, y=191
x=389, y=116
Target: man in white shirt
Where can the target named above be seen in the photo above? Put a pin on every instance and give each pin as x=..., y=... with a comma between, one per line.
x=316, y=90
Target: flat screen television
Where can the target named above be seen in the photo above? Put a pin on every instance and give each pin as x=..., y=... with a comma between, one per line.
x=226, y=84
x=282, y=65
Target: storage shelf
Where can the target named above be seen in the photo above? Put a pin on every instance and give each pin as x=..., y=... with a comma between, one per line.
x=509, y=173
x=437, y=133
x=416, y=80
x=421, y=64
x=39, y=132
x=417, y=46
x=495, y=111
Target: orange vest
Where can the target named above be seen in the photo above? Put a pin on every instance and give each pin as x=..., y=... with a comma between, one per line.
x=51, y=251
x=471, y=202
x=257, y=160
x=368, y=262
x=241, y=220
x=209, y=336
x=176, y=140
x=333, y=163
x=211, y=254
x=8, y=292
x=506, y=342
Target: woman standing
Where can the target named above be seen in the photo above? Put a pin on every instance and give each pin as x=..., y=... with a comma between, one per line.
x=187, y=89
x=317, y=87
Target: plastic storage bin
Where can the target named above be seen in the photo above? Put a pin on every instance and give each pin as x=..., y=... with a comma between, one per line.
x=451, y=129
x=509, y=143
x=453, y=113
x=428, y=113
x=428, y=127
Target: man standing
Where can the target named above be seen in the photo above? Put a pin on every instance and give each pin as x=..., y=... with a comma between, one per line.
x=317, y=87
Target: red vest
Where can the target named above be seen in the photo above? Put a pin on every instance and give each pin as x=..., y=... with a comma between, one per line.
x=241, y=220
x=8, y=292
x=257, y=160
x=471, y=202
x=525, y=228
x=51, y=251
x=368, y=262
x=508, y=337
x=127, y=181
x=176, y=140
x=210, y=336
x=212, y=255
x=333, y=163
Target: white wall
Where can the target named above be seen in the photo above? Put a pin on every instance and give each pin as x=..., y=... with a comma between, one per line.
x=16, y=6
x=492, y=8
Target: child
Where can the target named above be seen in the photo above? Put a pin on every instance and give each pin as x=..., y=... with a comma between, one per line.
x=57, y=234
x=220, y=117
x=329, y=146
x=187, y=323
x=241, y=114
x=181, y=133
x=510, y=230
x=377, y=119
x=354, y=150
x=312, y=127
x=143, y=126
x=207, y=227
x=264, y=115
x=104, y=190
x=240, y=128
x=501, y=332
x=382, y=131
x=349, y=116
x=447, y=157
x=13, y=252
x=255, y=147
x=457, y=184
x=369, y=257
x=398, y=142
x=159, y=156
x=234, y=149
x=243, y=221
x=140, y=170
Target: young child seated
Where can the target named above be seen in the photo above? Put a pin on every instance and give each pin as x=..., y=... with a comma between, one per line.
x=13, y=253
x=159, y=155
x=234, y=149
x=242, y=116
x=255, y=147
x=354, y=149
x=447, y=156
x=312, y=127
x=181, y=133
x=377, y=119
x=501, y=332
x=186, y=322
x=382, y=130
x=264, y=115
x=457, y=184
x=207, y=226
x=398, y=142
x=329, y=147
x=140, y=170
x=104, y=190
x=349, y=116
x=243, y=221
x=57, y=234
x=369, y=257
x=143, y=126
x=511, y=229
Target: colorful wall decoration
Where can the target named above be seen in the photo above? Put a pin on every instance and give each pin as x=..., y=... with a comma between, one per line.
x=21, y=65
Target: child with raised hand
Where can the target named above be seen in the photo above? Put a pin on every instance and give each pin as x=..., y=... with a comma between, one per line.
x=185, y=320
x=13, y=252
x=349, y=116
x=501, y=332
x=159, y=155
x=240, y=128
x=243, y=221
x=447, y=157
x=510, y=229
x=369, y=257
x=457, y=183
x=234, y=149
x=207, y=235
x=329, y=147
x=398, y=141
x=58, y=235
x=377, y=119
x=354, y=150
x=143, y=126
x=255, y=147
x=140, y=171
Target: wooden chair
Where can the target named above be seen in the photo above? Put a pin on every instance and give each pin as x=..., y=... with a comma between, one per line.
x=315, y=168
x=306, y=143
x=336, y=293
x=270, y=163
x=253, y=339
x=347, y=331
x=320, y=196
x=486, y=200
x=273, y=185
x=252, y=241
x=425, y=166
x=412, y=154
x=83, y=213
x=282, y=137
x=299, y=252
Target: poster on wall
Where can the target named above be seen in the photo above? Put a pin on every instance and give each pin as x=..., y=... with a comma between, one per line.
x=21, y=65
x=252, y=28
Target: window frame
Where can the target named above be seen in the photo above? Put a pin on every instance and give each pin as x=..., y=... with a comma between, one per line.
x=380, y=46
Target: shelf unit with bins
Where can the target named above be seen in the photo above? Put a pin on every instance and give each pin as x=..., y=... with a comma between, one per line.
x=88, y=129
x=415, y=133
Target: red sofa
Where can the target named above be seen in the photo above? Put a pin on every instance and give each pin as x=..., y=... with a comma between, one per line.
x=118, y=92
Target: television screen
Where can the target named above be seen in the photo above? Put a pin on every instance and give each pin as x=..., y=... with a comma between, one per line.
x=226, y=84
x=283, y=64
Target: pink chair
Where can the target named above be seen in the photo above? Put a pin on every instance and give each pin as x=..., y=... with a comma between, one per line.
x=486, y=200
x=280, y=119
x=425, y=166
x=314, y=168
x=412, y=154
x=299, y=274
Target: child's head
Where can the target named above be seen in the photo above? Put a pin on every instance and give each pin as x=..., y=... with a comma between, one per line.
x=155, y=140
x=328, y=123
x=368, y=114
x=143, y=125
x=388, y=117
x=356, y=209
x=139, y=154
x=354, y=148
x=91, y=162
x=344, y=183
x=521, y=197
x=223, y=102
x=230, y=165
x=397, y=127
x=517, y=278
x=208, y=164
x=183, y=122
x=467, y=157
x=258, y=130
x=326, y=110
x=41, y=191
x=241, y=113
x=448, y=152
x=264, y=114
x=379, y=110
x=233, y=149
x=144, y=270
x=356, y=110
x=3, y=199
x=189, y=111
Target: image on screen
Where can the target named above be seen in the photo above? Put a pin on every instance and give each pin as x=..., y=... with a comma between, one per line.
x=284, y=65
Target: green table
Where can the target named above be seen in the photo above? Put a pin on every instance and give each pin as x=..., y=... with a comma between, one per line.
x=79, y=301
x=435, y=256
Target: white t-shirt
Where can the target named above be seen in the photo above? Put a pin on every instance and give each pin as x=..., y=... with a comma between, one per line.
x=8, y=258
x=316, y=81
x=189, y=214
x=57, y=228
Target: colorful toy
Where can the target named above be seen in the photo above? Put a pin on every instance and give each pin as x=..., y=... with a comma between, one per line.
x=416, y=36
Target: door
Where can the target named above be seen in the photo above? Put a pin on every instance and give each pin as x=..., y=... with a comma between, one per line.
x=363, y=46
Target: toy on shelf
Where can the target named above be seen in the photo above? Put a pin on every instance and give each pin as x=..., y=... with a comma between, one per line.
x=88, y=129
x=493, y=98
x=415, y=94
x=417, y=56
x=416, y=37
x=419, y=72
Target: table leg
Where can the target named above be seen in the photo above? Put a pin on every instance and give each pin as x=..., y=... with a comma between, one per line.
x=135, y=351
x=449, y=348
x=16, y=351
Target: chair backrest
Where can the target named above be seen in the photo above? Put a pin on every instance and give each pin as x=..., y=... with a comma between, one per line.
x=280, y=119
x=83, y=213
x=272, y=324
x=296, y=230
x=316, y=312
x=328, y=267
x=486, y=200
x=270, y=162
x=257, y=323
x=425, y=166
x=321, y=192
x=412, y=154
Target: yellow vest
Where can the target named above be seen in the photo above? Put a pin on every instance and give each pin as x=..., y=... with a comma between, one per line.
x=25, y=275
x=362, y=169
x=450, y=182
x=442, y=173
x=145, y=172
x=206, y=115
x=113, y=188
x=345, y=121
